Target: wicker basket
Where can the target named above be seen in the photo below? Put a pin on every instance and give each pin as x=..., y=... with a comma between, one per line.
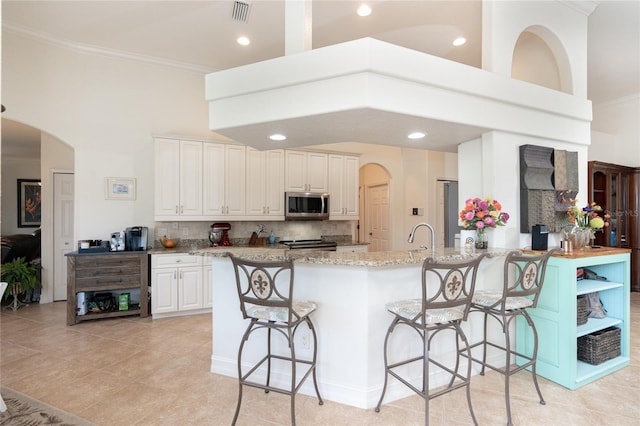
x=599, y=346
x=583, y=309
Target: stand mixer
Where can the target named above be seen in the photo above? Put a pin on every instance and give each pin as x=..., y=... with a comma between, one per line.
x=219, y=235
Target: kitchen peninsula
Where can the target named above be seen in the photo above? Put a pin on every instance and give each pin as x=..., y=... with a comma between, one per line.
x=351, y=290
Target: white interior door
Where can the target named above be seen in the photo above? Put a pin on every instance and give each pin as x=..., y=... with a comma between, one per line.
x=63, y=241
x=377, y=218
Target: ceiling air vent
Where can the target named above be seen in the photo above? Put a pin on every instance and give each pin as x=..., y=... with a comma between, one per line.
x=240, y=11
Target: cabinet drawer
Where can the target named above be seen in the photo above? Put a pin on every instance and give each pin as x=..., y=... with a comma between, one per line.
x=84, y=262
x=108, y=282
x=173, y=260
x=108, y=271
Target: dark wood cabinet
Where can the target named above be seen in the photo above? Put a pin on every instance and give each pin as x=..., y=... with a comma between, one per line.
x=634, y=229
x=115, y=273
x=616, y=189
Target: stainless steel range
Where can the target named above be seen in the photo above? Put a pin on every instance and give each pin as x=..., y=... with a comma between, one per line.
x=310, y=245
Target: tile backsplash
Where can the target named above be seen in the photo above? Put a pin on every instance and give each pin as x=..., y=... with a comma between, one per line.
x=292, y=230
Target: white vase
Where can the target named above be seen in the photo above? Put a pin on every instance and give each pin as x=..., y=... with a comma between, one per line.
x=467, y=239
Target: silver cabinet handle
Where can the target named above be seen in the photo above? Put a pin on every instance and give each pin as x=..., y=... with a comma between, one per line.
x=176, y=209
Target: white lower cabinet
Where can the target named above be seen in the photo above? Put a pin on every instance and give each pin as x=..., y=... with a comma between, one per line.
x=177, y=285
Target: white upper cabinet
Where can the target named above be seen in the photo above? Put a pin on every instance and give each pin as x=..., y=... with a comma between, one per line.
x=197, y=180
x=265, y=184
x=306, y=171
x=224, y=180
x=178, y=180
x=343, y=187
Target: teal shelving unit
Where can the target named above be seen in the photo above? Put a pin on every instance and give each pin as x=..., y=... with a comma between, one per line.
x=555, y=316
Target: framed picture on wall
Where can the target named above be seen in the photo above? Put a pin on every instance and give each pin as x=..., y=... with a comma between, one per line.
x=29, y=203
x=120, y=188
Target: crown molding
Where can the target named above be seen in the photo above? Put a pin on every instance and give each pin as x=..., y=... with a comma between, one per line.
x=89, y=49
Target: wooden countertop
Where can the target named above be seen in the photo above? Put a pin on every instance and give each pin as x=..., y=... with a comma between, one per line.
x=587, y=252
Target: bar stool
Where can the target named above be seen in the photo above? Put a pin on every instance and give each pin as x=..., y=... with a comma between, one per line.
x=447, y=291
x=523, y=279
x=265, y=290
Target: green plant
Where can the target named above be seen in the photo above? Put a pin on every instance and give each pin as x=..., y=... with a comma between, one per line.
x=19, y=274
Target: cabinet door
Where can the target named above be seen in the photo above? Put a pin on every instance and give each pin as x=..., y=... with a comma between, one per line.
x=167, y=177
x=317, y=172
x=351, y=185
x=343, y=186
x=190, y=288
x=296, y=171
x=190, y=178
x=274, y=182
x=336, y=186
x=256, y=166
x=164, y=290
x=235, y=179
x=213, y=179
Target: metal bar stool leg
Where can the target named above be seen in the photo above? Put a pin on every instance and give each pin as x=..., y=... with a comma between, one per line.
x=240, y=381
x=386, y=363
x=507, y=371
x=425, y=375
x=293, y=380
x=535, y=356
x=315, y=356
x=463, y=337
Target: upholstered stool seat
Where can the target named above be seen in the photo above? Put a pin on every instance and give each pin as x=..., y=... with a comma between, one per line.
x=410, y=309
x=301, y=309
x=488, y=298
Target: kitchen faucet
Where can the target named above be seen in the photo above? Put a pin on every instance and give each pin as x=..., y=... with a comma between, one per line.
x=412, y=234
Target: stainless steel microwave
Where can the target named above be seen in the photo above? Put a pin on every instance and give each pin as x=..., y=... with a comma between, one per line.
x=306, y=206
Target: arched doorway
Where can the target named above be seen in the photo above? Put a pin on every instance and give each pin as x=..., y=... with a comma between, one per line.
x=375, y=226
x=52, y=162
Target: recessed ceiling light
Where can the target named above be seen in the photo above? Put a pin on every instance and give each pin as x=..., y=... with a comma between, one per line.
x=243, y=41
x=416, y=135
x=364, y=10
x=459, y=41
x=277, y=137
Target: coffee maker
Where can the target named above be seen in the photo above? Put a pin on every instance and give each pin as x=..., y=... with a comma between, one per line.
x=136, y=238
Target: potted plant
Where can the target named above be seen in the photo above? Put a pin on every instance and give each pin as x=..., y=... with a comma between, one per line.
x=21, y=276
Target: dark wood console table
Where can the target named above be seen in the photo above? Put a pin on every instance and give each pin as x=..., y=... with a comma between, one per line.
x=114, y=272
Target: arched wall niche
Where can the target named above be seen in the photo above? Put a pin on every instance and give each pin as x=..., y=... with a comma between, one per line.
x=539, y=57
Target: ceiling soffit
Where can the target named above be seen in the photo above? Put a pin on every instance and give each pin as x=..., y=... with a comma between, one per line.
x=343, y=90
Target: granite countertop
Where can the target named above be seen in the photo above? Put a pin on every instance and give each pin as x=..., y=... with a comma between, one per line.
x=373, y=259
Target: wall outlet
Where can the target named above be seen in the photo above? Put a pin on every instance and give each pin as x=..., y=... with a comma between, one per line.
x=185, y=232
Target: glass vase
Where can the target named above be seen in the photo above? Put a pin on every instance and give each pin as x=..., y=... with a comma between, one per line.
x=581, y=238
x=481, y=239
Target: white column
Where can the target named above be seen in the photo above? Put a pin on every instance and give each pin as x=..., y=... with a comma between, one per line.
x=297, y=26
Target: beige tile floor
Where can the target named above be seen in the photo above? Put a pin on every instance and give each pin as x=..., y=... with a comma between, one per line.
x=139, y=371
